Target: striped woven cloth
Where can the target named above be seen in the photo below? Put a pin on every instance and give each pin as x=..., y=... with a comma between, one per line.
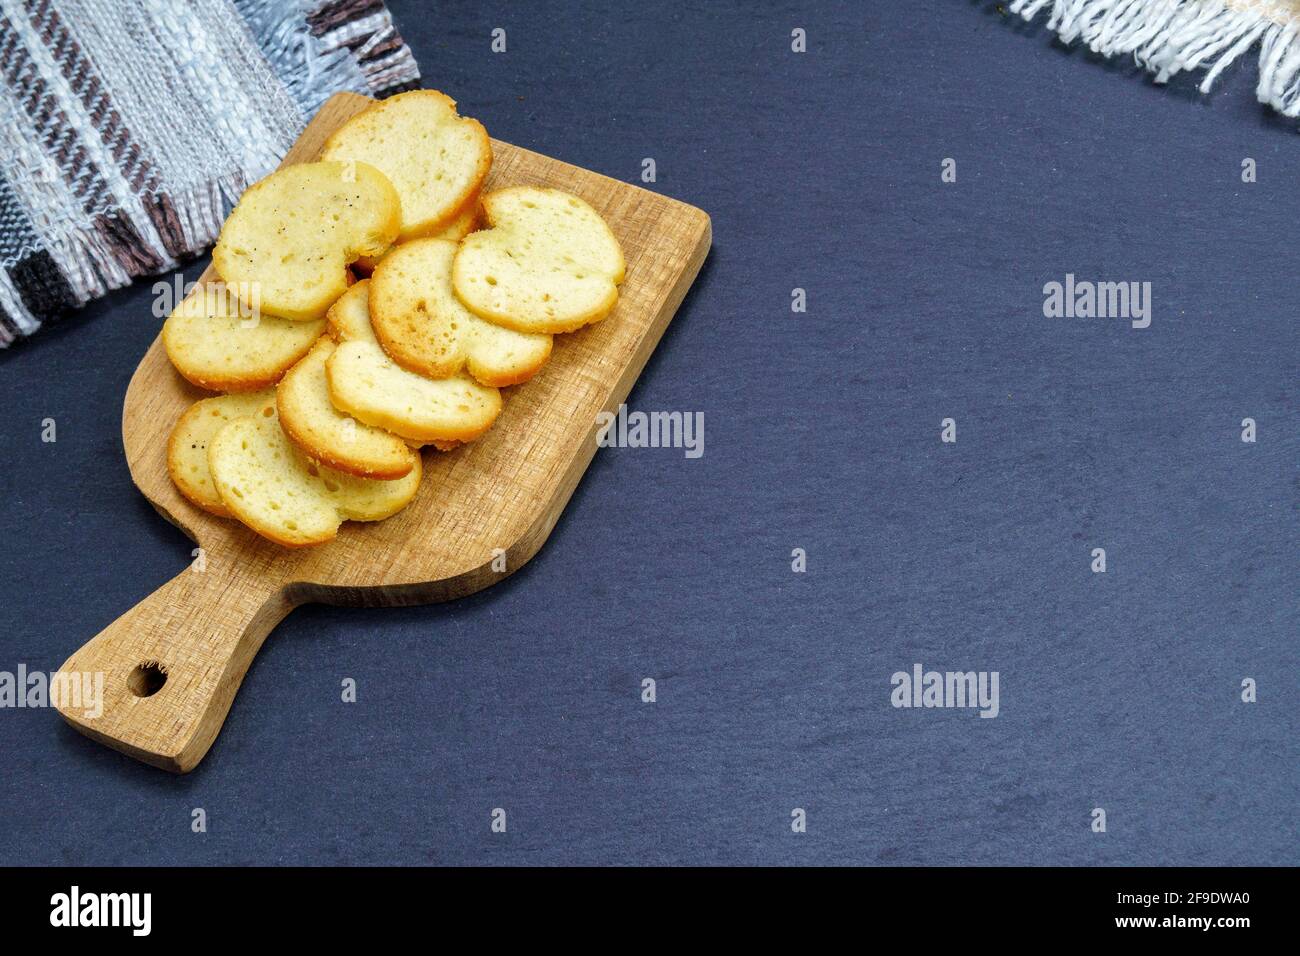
x=128, y=128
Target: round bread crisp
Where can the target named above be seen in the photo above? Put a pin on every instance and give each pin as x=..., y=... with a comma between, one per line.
x=312, y=423
x=547, y=262
x=369, y=386
x=456, y=230
x=436, y=159
x=269, y=485
x=187, y=449
x=291, y=237
x=366, y=384
x=349, y=317
x=215, y=343
x=424, y=328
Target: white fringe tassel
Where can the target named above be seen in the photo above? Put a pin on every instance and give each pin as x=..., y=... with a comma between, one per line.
x=1167, y=37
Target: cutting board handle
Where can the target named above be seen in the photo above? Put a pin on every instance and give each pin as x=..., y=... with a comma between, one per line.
x=168, y=669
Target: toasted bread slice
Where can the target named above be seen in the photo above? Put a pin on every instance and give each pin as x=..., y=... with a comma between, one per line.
x=187, y=449
x=217, y=344
x=292, y=235
x=547, y=262
x=435, y=158
x=272, y=487
x=366, y=384
x=456, y=230
x=423, y=327
x=372, y=388
x=349, y=317
x=327, y=435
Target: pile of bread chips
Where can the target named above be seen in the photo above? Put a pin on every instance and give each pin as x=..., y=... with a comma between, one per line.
x=333, y=383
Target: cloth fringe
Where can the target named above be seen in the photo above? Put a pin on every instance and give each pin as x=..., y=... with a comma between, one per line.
x=309, y=72
x=1168, y=37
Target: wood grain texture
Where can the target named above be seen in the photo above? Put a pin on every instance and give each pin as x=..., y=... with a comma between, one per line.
x=505, y=491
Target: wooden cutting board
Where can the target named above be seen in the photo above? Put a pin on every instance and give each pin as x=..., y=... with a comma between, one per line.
x=173, y=663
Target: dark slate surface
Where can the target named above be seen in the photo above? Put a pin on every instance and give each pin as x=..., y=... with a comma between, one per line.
x=821, y=171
